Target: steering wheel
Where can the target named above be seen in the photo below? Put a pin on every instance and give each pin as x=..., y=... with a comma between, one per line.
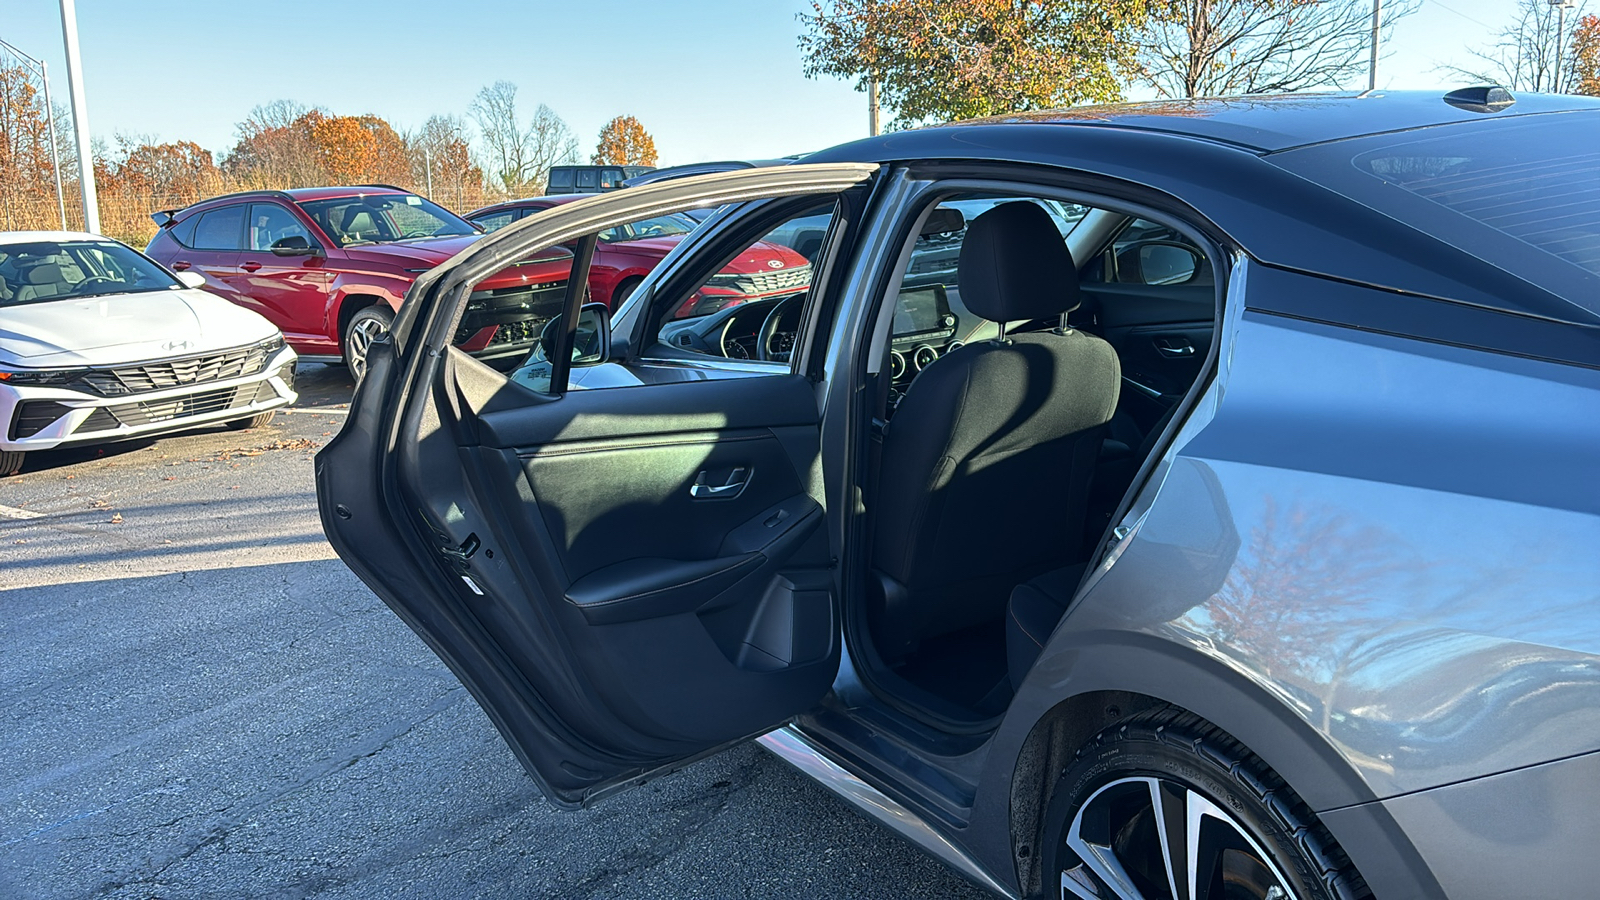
x=770, y=333
x=91, y=280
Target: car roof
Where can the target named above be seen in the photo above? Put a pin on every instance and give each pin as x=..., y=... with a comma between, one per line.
x=299, y=194
x=1266, y=124
x=29, y=237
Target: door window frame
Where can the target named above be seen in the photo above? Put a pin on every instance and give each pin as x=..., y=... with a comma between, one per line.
x=239, y=236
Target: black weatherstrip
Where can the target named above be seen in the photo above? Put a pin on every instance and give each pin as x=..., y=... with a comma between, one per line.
x=1318, y=298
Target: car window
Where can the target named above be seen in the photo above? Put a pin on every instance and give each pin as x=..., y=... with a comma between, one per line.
x=183, y=232
x=220, y=229
x=382, y=218
x=611, y=178
x=751, y=308
x=52, y=270
x=271, y=223
x=496, y=220
x=656, y=226
x=587, y=178
x=560, y=180
x=1146, y=252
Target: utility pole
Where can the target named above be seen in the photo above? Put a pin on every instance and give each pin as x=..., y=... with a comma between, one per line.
x=50, y=117
x=427, y=165
x=1561, y=34
x=80, y=118
x=872, y=106
x=1372, y=65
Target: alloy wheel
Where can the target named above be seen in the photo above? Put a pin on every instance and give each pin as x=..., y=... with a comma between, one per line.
x=1147, y=838
x=362, y=333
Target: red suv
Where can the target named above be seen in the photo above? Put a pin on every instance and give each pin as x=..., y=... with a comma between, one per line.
x=329, y=267
x=625, y=254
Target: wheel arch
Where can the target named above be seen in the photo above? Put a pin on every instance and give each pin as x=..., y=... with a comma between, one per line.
x=1076, y=691
x=351, y=302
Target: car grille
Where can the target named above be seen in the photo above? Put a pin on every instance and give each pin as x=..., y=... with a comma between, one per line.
x=136, y=414
x=520, y=312
x=795, y=279
x=518, y=332
x=35, y=416
x=172, y=373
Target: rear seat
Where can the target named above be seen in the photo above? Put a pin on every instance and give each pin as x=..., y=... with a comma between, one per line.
x=1032, y=614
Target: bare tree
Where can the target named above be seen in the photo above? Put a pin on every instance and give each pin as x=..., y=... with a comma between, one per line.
x=441, y=161
x=1212, y=48
x=520, y=158
x=1523, y=57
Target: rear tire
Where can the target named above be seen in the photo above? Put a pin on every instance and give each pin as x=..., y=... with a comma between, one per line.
x=369, y=324
x=1169, y=779
x=255, y=421
x=622, y=292
x=11, y=462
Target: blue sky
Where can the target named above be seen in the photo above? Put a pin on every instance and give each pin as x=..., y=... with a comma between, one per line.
x=710, y=79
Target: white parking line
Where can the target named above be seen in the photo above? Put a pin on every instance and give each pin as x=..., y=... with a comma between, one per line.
x=11, y=512
x=318, y=410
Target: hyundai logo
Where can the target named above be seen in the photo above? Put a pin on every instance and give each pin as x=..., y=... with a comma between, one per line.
x=175, y=346
x=775, y=263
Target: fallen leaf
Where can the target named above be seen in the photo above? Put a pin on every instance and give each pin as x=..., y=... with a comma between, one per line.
x=116, y=519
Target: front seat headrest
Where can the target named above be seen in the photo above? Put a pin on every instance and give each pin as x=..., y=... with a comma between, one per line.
x=1015, y=265
x=42, y=274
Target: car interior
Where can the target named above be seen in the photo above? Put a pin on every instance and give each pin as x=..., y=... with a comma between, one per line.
x=674, y=576
x=1023, y=392
x=1004, y=361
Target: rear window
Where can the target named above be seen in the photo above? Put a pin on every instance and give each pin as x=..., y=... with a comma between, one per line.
x=1523, y=194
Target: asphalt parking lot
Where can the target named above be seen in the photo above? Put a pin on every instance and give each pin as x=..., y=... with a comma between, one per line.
x=197, y=699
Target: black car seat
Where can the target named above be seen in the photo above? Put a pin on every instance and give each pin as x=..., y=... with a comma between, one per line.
x=986, y=466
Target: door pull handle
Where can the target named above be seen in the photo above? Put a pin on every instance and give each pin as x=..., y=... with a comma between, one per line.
x=251, y=266
x=737, y=481
x=179, y=266
x=1176, y=347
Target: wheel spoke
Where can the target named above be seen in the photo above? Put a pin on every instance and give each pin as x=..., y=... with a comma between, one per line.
x=1169, y=804
x=1097, y=856
x=1210, y=834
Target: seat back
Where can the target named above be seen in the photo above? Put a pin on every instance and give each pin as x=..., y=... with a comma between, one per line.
x=986, y=466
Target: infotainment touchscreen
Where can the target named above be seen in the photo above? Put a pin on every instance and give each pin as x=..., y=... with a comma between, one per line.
x=921, y=309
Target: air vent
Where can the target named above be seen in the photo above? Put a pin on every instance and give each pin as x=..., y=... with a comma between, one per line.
x=685, y=340
x=924, y=356
x=953, y=346
x=897, y=365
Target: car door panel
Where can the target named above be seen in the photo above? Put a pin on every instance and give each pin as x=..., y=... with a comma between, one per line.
x=666, y=596
x=625, y=579
x=1162, y=333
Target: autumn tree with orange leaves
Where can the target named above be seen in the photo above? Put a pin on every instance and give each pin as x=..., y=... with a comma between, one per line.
x=624, y=142
x=1586, y=57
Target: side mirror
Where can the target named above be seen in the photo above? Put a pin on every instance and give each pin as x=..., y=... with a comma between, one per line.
x=591, y=346
x=1166, y=262
x=295, y=245
x=191, y=279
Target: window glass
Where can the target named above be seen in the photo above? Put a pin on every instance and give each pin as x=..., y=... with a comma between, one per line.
x=51, y=270
x=655, y=227
x=383, y=218
x=183, y=232
x=496, y=220
x=611, y=178
x=587, y=178
x=271, y=223
x=1146, y=252
x=560, y=180
x=220, y=229
x=751, y=308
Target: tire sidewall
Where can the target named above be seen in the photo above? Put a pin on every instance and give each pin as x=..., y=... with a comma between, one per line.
x=1131, y=756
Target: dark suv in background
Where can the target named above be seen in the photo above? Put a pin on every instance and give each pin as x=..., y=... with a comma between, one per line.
x=591, y=179
x=329, y=266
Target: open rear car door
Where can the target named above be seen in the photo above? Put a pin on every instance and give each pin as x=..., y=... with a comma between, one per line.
x=624, y=578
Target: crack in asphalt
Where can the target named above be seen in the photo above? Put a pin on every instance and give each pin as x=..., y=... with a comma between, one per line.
x=237, y=813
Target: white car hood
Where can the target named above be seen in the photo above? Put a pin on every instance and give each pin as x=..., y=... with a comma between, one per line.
x=122, y=328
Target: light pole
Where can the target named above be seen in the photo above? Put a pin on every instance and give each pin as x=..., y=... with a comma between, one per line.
x=50, y=117
x=80, y=118
x=1561, y=33
x=1372, y=65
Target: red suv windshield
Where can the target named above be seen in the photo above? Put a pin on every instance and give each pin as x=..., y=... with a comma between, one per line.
x=380, y=218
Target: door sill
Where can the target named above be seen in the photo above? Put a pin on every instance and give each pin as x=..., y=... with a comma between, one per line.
x=789, y=745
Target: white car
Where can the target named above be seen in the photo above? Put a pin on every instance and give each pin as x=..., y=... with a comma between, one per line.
x=99, y=343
